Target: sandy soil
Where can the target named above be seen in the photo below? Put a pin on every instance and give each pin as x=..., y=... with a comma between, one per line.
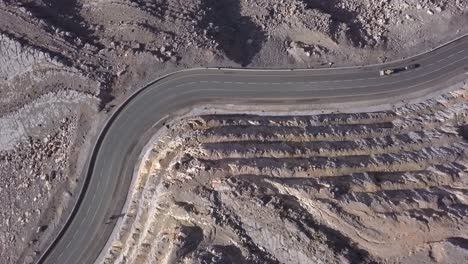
x=63, y=62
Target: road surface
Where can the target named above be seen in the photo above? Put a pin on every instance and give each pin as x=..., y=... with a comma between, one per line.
x=112, y=162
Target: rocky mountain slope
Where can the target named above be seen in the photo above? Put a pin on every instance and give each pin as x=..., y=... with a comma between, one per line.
x=63, y=62
x=380, y=187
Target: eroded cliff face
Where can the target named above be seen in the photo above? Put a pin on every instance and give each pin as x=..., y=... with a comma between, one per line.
x=331, y=188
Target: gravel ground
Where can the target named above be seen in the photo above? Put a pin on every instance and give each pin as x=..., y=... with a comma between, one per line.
x=63, y=62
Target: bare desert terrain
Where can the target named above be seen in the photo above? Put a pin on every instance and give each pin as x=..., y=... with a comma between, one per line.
x=372, y=187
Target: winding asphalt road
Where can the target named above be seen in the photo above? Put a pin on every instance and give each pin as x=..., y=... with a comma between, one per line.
x=112, y=162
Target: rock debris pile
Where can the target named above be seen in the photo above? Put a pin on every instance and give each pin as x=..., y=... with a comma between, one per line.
x=34, y=169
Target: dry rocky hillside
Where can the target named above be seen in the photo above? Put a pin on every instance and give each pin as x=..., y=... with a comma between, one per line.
x=65, y=63
x=380, y=187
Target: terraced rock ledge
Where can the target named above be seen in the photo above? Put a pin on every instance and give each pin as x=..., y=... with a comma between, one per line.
x=382, y=187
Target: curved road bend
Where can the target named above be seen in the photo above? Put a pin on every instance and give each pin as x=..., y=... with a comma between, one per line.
x=111, y=167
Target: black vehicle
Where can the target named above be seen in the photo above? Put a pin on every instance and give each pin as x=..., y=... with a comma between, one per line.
x=396, y=70
x=412, y=66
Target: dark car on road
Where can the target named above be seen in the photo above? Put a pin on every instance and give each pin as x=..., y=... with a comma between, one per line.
x=391, y=71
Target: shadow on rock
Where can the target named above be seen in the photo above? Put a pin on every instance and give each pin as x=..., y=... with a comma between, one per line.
x=238, y=37
x=62, y=14
x=343, y=20
x=220, y=254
